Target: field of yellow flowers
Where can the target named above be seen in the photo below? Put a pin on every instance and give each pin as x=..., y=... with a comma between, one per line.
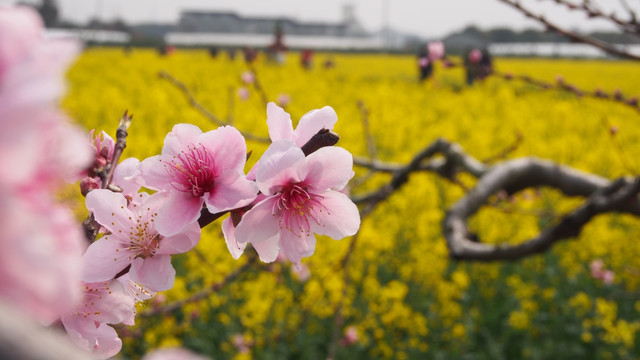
x=399, y=296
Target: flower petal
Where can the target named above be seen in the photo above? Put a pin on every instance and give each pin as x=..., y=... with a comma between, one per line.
x=155, y=272
x=181, y=242
x=179, y=138
x=101, y=340
x=235, y=248
x=126, y=176
x=231, y=191
x=154, y=174
x=329, y=168
x=110, y=210
x=279, y=123
x=268, y=249
x=259, y=223
x=295, y=246
x=314, y=121
x=226, y=146
x=282, y=163
x=340, y=217
x=180, y=210
x=104, y=259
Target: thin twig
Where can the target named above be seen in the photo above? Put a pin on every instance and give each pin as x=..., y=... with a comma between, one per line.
x=203, y=110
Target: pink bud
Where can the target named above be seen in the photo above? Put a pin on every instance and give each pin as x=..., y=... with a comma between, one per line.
x=87, y=184
x=350, y=336
x=243, y=93
x=633, y=101
x=608, y=276
x=596, y=267
x=559, y=79
x=283, y=100
x=248, y=77
x=508, y=76
x=613, y=129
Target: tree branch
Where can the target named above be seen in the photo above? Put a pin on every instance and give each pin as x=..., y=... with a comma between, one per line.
x=602, y=45
x=515, y=175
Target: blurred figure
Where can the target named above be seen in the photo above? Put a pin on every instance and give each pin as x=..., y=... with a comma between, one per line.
x=472, y=65
x=250, y=54
x=425, y=66
x=276, y=51
x=486, y=65
x=306, y=58
x=213, y=51
x=329, y=63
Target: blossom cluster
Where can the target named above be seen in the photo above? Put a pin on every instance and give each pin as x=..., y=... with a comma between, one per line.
x=41, y=243
x=278, y=206
x=291, y=194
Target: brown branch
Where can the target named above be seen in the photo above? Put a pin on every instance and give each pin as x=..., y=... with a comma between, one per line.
x=455, y=160
x=515, y=175
x=203, y=110
x=630, y=26
x=257, y=85
x=602, y=45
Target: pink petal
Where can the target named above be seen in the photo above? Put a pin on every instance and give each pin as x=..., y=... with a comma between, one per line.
x=104, y=259
x=180, y=210
x=153, y=173
x=295, y=246
x=101, y=340
x=227, y=147
x=329, y=168
x=110, y=210
x=235, y=248
x=181, y=242
x=179, y=138
x=340, y=218
x=259, y=223
x=125, y=176
x=314, y=121
x=282, y=163
x=155, y=272
x=268, y=249
x=279, y=123
x=231, y=191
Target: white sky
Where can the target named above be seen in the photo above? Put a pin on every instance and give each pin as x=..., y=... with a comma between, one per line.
x=427, y=18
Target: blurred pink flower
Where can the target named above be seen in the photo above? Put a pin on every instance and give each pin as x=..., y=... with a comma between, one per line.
x=134, y=240
x=301, y=199
x=302, y=272
x=40, y=249
x=243, y=93
x=436, y=50
x=283, y=100
x=596, y=267
x=608, y=277
x=103, y=303
x=248, y=77
x=198, y=168
x=241, y=343
x=350, y=336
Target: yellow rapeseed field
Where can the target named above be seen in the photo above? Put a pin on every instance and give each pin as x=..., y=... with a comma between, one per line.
x=403, y=295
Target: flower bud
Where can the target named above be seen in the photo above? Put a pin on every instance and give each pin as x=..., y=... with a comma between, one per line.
x=87, y=184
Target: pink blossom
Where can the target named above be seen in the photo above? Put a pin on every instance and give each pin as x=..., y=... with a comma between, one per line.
x=241, y=343
x=127, y=177
x=243, y=93
x=596, y=267
x=103, y=146
x=103, y=303
x=40, y=249
x=283, y=100
x=134, y=240
x=350, y=336
x=281, y=127
x=436, y=50
x=608, y=277
x=198, y=168
x=302, y=272
x=423, y=61
x=248, y=77
x=301, y=199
